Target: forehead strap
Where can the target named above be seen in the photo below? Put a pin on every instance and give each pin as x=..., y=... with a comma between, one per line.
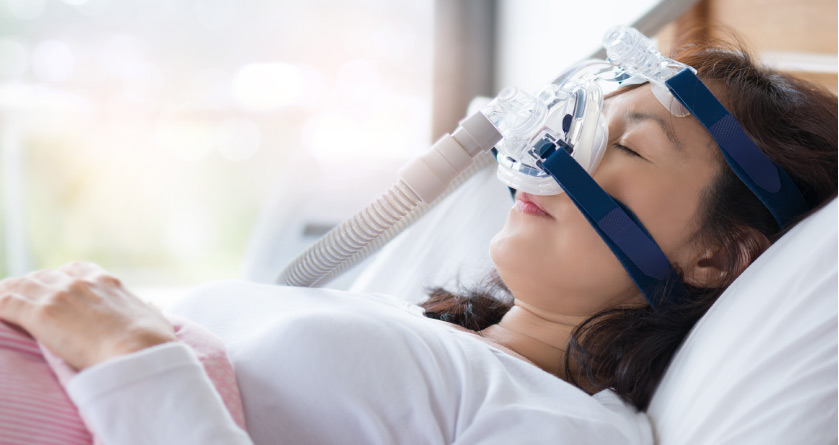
x=768, y=181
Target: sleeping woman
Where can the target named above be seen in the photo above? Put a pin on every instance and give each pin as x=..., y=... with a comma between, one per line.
x=561, y=347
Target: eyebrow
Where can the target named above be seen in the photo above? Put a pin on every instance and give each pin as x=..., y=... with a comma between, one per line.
x=634, y=116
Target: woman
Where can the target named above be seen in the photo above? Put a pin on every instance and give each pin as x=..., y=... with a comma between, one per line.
x=364, y=369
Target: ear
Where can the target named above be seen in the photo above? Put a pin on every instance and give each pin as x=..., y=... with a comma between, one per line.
x=718, y=263
x=708, y=269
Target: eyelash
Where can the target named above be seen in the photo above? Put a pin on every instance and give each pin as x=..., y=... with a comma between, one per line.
x=630, y=151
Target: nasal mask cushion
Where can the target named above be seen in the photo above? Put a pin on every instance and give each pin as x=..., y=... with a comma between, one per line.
x=569, y=113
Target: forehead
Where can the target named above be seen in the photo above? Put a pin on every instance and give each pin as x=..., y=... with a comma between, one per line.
x=639, y=107
x=636, y=98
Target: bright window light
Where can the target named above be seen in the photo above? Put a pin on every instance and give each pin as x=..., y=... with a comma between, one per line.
x=147, y=135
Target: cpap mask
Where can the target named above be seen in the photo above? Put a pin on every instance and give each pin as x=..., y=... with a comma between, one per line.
x=548, y=144
x=553, y=141
x=568, y=111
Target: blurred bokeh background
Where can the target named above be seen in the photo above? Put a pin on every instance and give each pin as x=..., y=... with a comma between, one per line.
x=145, y=135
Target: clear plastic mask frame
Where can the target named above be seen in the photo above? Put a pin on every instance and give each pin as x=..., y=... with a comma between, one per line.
x=566, y=113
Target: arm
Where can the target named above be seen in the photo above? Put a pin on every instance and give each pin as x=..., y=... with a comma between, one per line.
x=157, y=395
x=137, y=384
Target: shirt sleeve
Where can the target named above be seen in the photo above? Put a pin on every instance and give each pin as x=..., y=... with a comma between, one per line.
x=157, y=395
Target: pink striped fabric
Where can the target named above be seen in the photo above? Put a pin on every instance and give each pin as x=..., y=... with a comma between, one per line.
x=34, y=408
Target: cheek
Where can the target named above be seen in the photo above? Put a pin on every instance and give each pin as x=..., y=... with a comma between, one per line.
x=669, y=218
x=559, y=265
x=666, y=204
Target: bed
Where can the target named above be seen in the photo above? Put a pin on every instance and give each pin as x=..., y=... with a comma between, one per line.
x=760, y=367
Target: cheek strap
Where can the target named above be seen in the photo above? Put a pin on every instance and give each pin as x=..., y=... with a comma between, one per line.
x=619, y=228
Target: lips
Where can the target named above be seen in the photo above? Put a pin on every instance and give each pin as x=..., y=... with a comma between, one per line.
x=527, y=203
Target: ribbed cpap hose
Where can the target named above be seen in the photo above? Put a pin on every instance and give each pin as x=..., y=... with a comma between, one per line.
x=345, y=245
x=423, y=183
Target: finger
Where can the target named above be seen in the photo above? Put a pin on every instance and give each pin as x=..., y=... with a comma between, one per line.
x=22, y=285
x=28, y=288
x=9, y=285
x=91, y=272
x=15, y=308
x=48, y=277
x=82, y=269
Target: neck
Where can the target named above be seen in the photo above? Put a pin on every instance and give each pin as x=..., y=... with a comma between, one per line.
x=538, y=336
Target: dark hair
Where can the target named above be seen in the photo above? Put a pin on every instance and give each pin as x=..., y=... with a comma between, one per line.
x=628, y=349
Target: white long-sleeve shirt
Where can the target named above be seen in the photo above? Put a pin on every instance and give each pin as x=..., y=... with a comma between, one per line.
x=320, y=366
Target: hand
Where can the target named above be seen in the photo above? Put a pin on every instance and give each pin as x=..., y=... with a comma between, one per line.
x=82, y=314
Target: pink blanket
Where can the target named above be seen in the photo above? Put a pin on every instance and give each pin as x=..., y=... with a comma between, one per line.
x=35, y=409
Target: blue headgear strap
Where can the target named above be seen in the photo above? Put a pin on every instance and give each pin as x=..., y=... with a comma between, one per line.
x=770, y=183
x=617, y=225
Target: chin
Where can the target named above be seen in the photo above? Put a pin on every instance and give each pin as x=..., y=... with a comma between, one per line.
x=513, y=257
x=497, y=246
x=518, y=246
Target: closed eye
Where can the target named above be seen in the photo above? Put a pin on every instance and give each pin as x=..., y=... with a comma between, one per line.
x=628, y=150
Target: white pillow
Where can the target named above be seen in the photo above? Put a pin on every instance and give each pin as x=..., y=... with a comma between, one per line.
x=761, y=366
x=449, y=244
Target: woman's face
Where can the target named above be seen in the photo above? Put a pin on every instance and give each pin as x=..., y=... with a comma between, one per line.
x=658, y=165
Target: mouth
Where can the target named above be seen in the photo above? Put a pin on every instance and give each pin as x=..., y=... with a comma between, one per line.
x=530, y=205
